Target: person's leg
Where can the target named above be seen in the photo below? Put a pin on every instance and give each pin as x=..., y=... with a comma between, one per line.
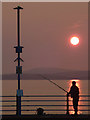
x=75, y=105
x=76, y=110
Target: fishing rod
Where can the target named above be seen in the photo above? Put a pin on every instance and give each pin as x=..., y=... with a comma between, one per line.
x=54, y=83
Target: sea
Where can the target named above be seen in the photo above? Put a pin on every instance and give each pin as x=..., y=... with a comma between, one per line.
x=44, y=87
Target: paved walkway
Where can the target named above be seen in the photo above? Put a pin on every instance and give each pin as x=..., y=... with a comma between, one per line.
x=46, y=117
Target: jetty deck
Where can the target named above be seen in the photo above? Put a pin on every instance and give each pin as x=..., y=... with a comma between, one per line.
x=47, y=117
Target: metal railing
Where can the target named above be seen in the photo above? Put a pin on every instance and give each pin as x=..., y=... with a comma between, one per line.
x=51, y=102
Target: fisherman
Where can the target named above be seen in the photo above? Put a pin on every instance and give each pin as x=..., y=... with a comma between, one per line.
x=74, y=91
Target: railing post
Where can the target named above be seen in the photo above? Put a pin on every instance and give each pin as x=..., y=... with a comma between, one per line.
x=18, y=105
x=67, y=104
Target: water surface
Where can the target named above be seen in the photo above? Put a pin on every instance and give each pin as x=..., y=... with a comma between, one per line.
x=44, y=87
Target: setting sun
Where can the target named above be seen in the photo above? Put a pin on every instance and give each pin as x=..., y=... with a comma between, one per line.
x=74, y=40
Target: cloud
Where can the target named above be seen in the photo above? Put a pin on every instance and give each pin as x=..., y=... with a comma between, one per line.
x=76, y=26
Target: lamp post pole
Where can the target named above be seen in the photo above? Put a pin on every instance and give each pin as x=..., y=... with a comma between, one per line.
x=18, y=68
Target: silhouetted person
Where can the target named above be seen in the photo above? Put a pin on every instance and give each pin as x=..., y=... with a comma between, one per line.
x=40, y=111
x=74, y=91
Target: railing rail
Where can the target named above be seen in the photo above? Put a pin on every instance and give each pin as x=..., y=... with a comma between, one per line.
x=45, y=96
x=53, y=101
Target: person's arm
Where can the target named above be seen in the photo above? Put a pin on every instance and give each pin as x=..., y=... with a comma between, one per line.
x=70, y=91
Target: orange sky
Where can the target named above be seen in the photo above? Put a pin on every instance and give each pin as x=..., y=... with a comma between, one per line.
x=46, y=29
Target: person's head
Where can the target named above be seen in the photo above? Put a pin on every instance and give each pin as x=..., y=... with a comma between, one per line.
x=40, y=111
x=73, y=83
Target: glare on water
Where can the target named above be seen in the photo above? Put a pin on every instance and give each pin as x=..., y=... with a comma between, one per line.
x=83, y=90
x=78, y=85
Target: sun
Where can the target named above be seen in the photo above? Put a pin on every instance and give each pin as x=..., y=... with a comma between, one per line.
x=74, y=40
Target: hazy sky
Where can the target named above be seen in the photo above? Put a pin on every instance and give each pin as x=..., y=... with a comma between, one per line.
x=46, y=29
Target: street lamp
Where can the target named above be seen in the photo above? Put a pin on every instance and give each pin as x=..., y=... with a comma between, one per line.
x=19, y=67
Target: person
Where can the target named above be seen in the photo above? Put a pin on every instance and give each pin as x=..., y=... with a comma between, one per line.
x=40, y=111
x=74, y=91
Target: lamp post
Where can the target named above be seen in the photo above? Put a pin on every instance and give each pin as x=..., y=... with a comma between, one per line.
x=18, y=68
